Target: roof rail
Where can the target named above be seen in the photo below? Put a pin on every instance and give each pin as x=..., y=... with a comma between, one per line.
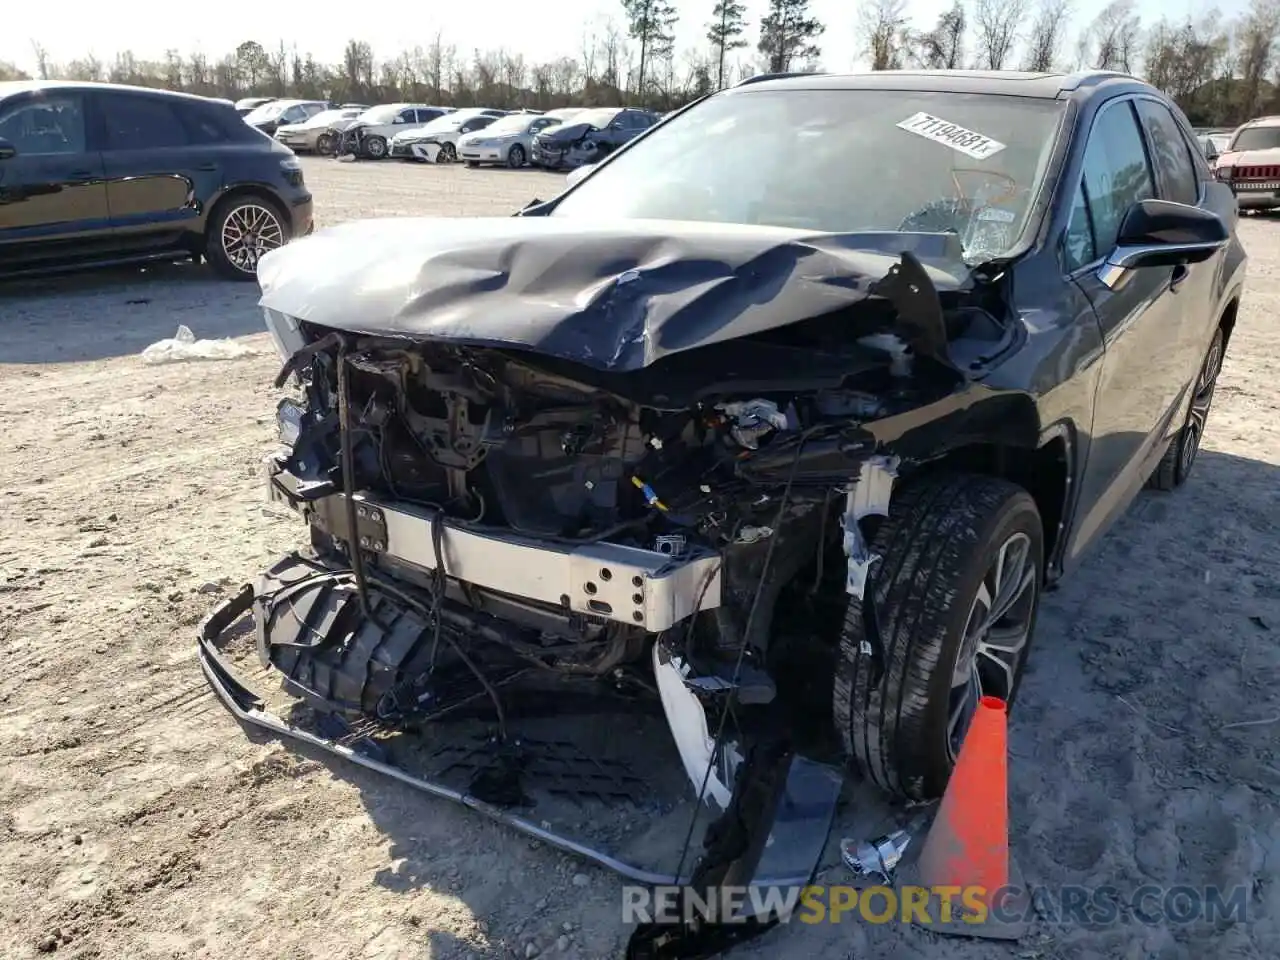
x=1077, y=80
x=761, y=77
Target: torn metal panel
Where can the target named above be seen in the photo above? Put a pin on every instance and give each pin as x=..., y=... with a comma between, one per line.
x=867, y=496
x=613, y=296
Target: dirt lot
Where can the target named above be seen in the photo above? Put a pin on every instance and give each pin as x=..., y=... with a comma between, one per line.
x=138, y=820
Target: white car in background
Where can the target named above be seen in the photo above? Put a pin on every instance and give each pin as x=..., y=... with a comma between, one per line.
x=380, y=124
x=509, y=139
x=1251, y=164
x=307, y=135
x=437, y=142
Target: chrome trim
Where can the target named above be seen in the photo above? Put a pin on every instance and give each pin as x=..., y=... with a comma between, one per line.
x=642, y=588
x=1124, y=259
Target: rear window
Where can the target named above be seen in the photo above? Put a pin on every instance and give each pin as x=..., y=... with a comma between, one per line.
x=141, y=123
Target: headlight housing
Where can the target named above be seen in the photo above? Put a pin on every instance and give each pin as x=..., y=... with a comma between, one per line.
x=1223, y=173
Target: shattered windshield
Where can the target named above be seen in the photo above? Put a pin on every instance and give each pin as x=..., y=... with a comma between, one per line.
x=838, y=161
x=1256, y=138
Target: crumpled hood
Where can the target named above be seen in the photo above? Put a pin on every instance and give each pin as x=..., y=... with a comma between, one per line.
x=615, y=296
x=567, y=132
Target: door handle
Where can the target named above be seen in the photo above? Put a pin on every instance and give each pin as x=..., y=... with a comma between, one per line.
x=1179, y=274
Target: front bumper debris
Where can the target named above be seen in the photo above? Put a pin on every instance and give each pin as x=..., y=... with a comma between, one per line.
x=780, y=825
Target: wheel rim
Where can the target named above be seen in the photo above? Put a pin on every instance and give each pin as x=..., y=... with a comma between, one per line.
x=447, y=153
x=995, y=636
x=1201, y=401
x=324, y=143
x=515, y=156
x=249, y=231
x=376, y=147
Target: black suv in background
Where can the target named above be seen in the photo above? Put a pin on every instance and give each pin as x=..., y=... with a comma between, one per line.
x=96, y=174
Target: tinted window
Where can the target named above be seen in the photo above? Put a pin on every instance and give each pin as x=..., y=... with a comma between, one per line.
x=476, y=123
x=207, y=124
x=408, y=115
x=1169, y=153
x=426, y=116
x=1116, y=174
x=45, y=124
x=294, y=114
x=141, y=123
x=1078, y=245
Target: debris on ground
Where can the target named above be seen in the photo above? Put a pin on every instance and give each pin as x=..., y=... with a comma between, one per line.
x=183, y=346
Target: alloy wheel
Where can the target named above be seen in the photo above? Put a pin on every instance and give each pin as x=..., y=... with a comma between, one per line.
x=249, y=231
x=447, y=153
x=1201, y=401
x=376, y=147
x=995, y=636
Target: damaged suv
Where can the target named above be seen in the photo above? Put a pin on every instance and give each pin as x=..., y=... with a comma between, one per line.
x=786, y=441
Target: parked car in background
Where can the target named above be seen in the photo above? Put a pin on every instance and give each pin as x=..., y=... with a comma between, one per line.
x=588, y=136
x=306, y=136
x=1251, y=164
x=104, y=173
x=438, y=141
x=508, y=140
x=1214, y=143
x=376, y=126
x=250, y=104
x=278, y=113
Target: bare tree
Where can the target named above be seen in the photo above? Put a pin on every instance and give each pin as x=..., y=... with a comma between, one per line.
x=42, y=61
x=1256, y=43
x=725, y=33
x=1111, y=41
x=884, y=24
x=1047, y=32
x=997, y=23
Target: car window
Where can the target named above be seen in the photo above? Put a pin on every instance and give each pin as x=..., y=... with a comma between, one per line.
x=407, y=115
x=1078, y=246
x=204, y=125
x=1174, y=170
x=140, y=123
x=47, y=124
x=295, y=114
x=1116, y=172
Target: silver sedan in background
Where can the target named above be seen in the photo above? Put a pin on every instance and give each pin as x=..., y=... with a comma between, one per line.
x=509, y=140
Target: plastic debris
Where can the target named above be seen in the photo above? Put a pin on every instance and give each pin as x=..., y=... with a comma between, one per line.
x=184, y=346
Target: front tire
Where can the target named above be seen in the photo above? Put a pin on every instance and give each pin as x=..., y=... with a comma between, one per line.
x=951, y=606
x=1175, y=466
x=240, y=231
x=375, y=148
x=325, y=145
x=448, y=153
x=515, y=157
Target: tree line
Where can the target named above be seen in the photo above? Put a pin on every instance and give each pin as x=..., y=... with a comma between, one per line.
x=1221, y=70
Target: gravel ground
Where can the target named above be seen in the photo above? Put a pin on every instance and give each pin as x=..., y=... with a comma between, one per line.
x=137, y=819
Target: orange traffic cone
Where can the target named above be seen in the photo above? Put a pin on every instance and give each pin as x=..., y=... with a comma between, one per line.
x=968, y=845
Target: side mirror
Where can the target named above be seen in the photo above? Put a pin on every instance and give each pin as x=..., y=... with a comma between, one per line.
x=1159, y=233
x=7, y=149
x=575, y=176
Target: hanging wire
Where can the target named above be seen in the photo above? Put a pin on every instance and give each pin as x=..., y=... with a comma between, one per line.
x=737, y=667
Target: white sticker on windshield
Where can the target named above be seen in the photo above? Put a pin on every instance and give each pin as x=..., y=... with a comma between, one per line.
x=952, y=135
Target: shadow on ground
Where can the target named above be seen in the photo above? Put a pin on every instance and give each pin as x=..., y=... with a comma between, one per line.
x=1143, y=752
x=101, y=314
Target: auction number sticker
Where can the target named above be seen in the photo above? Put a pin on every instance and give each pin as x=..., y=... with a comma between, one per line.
x=952, y=135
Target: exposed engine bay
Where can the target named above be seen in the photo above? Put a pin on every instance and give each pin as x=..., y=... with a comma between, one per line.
x=501, y=532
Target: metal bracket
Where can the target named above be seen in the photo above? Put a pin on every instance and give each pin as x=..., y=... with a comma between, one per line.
x=371, y=522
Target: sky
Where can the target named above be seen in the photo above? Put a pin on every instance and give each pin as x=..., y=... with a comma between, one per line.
x=540, y=31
